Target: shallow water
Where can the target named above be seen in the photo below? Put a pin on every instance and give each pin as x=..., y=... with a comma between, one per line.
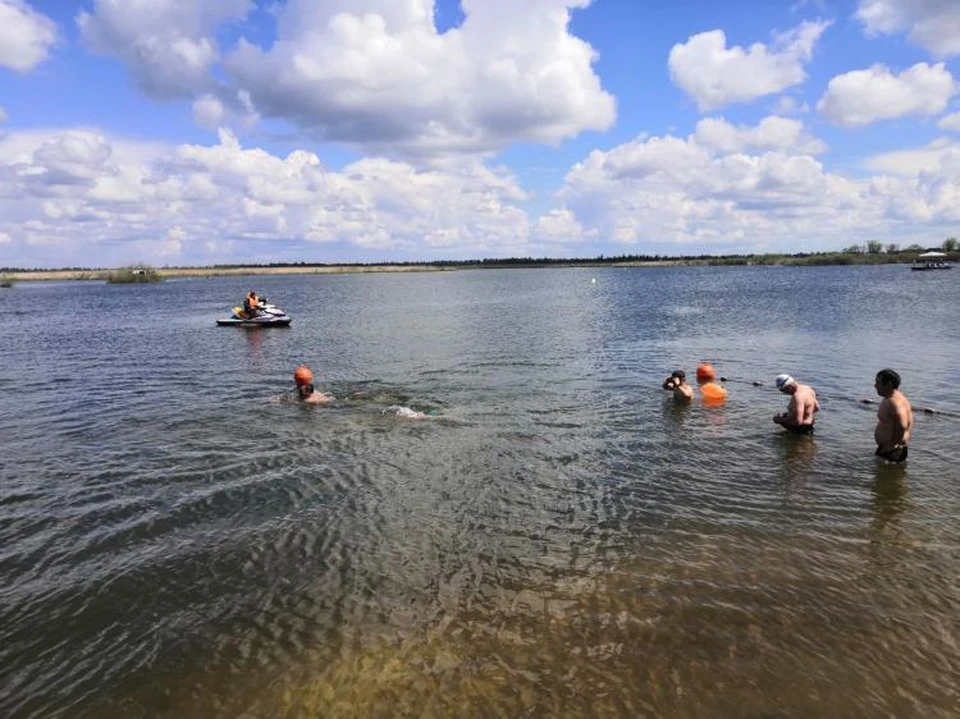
x=556, y=539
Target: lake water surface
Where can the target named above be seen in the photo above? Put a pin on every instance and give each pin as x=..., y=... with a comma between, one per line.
x=557, y=540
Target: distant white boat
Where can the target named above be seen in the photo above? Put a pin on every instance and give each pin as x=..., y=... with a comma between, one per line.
x=931, y=261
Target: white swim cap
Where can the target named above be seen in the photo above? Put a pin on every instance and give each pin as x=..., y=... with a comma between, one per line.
x=784, y=381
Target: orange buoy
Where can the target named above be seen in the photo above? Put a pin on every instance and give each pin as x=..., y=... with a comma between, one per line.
x=705, y=372
x=302, y=375
x=713, y=393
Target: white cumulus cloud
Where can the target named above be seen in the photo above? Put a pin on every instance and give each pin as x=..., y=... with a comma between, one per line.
x=558, y=228
x=660, y=194
x=73, y=158
x=913, y=161
x=635, y=194
x=208, y=112
x=787, y=105
x=715, y=75
x=772, y=133
x=168, y=45
x=378, y=73
x=864, y=96
x=950, y=122
x=26, y=35
x=74, y=195
x=375, y=74
x=932, y=24
x=78, y=196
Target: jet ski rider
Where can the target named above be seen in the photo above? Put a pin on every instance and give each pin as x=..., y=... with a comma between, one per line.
x=251, y=305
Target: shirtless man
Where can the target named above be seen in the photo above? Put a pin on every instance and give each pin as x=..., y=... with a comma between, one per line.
x=308, y=394
x=305, y=389
x=894, y=418
x=802, y=407
x=677, y=381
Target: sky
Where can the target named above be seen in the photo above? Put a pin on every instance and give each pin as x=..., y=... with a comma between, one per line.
x=203, y=132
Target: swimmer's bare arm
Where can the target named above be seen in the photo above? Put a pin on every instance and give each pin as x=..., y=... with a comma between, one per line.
x=881, y=434
x=903, y=420
x=792, y=416
x=781, y=417
x=809, y=406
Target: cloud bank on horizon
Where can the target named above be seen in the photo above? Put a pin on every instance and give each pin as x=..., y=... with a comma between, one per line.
x=235, y=131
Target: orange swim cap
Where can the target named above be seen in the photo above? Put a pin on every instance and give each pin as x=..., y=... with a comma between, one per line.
x=705, y=372
x=302, y=375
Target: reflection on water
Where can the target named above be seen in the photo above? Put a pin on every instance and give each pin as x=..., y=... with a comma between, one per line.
x=797, y=455
x=773, y=627
x=675, y=412
x=552, y=542
x=889, y=502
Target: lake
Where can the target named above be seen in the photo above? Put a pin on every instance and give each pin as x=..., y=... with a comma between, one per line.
x=557, y=538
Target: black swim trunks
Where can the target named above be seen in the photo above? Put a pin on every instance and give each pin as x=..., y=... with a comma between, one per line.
x=799, y=428
x=896, y=455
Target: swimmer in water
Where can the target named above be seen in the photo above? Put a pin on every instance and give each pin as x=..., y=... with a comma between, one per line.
x=677, y=382
x=306, y=392
x=801, y=408
x=894, y=418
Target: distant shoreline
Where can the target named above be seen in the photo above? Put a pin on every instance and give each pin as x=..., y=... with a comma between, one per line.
x=180, y=272
x=801, y=260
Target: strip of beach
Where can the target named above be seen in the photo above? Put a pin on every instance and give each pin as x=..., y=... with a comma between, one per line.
x=63, y=275
x=845, y=257
x=179, y=272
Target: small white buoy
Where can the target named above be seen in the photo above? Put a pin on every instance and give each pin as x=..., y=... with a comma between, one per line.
x=593, y=280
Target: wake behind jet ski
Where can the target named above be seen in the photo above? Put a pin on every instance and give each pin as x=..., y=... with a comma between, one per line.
x=256, y=312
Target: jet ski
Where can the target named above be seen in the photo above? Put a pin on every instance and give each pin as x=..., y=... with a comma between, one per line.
x=266, y=315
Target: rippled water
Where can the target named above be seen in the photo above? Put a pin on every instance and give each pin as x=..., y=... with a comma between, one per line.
x=559, y=540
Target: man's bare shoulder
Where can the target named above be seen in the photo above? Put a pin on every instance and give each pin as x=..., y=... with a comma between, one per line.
x=900, y=400
x=900, y=406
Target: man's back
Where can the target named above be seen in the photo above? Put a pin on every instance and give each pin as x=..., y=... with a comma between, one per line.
x=895, y=415
x=807, y=405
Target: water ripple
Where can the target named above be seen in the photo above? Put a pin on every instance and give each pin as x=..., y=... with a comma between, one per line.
x=557, y=538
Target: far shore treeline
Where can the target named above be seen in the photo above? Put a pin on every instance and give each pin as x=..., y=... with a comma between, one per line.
x=871, y=253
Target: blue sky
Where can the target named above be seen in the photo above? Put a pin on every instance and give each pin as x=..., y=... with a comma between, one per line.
x=224, y=131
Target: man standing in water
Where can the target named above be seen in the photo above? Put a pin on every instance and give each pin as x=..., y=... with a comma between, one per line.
x=677, y=381
x=802, y=407
x=894, y=418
